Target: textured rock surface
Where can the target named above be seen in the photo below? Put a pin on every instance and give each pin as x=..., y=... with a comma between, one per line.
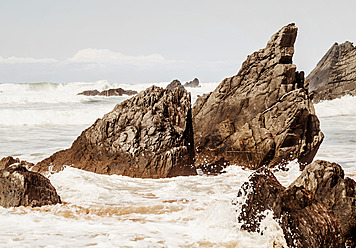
x=261, y=116
x=192, y=84
x=305, y=221
x=149, y=135
x=326, y=180
x=335, y=74
x=110, y=92
x=20, y=187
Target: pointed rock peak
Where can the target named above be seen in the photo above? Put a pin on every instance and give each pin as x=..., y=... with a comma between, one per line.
x=283, y=43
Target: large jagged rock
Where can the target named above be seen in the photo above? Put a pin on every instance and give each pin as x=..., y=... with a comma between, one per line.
x=326, y=180
x=335, y=74
x=20, y=187
x=149, y=136
x=305, y=221
x=109, y=92
x=261, y=116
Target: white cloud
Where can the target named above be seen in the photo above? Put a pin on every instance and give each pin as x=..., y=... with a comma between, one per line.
x=106, y=56
x=16, y=60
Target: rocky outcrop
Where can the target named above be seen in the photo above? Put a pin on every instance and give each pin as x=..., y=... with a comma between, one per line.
x=261, y=116
x=335, y=74
x=20, y=187
x=192, y=84
x=305, y=221
x=110, y=92
x=149, y=136
x=326, y=180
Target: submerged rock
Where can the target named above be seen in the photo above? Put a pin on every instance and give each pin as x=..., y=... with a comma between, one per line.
x=110, y=92
x=149, y=135
x=261, y=116
x=305, y=221
x=326, y=180
x=192, y=84
x=20, y=187
x=335, y=74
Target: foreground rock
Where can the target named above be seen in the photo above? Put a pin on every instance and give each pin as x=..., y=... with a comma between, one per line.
x=192, y=84
x=335, y=74
x=149, y=135
x=305, y=221
x=20, y=187
x=326, y=180
x=261, y=116
x=110, y=92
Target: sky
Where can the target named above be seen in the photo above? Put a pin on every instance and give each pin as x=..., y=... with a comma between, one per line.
x=140, y=41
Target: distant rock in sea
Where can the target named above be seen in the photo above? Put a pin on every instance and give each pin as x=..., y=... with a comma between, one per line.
x=335, y=74
x=192, y=84
x=305, y=220
x=175, y=84
x=110, y=92
x=20, y=187
x=261, y=116
x=149, y=135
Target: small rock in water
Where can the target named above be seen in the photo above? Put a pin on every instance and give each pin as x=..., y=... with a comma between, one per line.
x=20, y=187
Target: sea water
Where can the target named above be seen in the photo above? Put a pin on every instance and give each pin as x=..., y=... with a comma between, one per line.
x=39, y=119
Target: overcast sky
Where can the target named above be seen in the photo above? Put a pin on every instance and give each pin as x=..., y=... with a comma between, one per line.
x=153, y=41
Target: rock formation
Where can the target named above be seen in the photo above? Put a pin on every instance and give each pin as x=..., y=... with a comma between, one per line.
x=335, y=74
x=20, y=187
x=149, y=136
x=192, y=84
x=326, y=180
x=261, y=116
x=110, y=92
x=305, y=221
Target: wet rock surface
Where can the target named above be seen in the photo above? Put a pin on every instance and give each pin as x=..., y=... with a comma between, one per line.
x=20, y=187
x=335, y=74
x=149, y=136
x=110, y=92
x=261, y=116
x=305, y=221
x=175, y=84
x=327, y=182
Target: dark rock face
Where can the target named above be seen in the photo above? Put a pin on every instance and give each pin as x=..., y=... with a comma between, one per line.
x=335, y=74
x=110, y=92
x=261, y=116
x=20, y=187
x=305, y=222
x=149, y=136
x=192, y=84
x=326, y=180
x=174, y=84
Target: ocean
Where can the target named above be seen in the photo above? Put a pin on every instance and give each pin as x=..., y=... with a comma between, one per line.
x=38, y=119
